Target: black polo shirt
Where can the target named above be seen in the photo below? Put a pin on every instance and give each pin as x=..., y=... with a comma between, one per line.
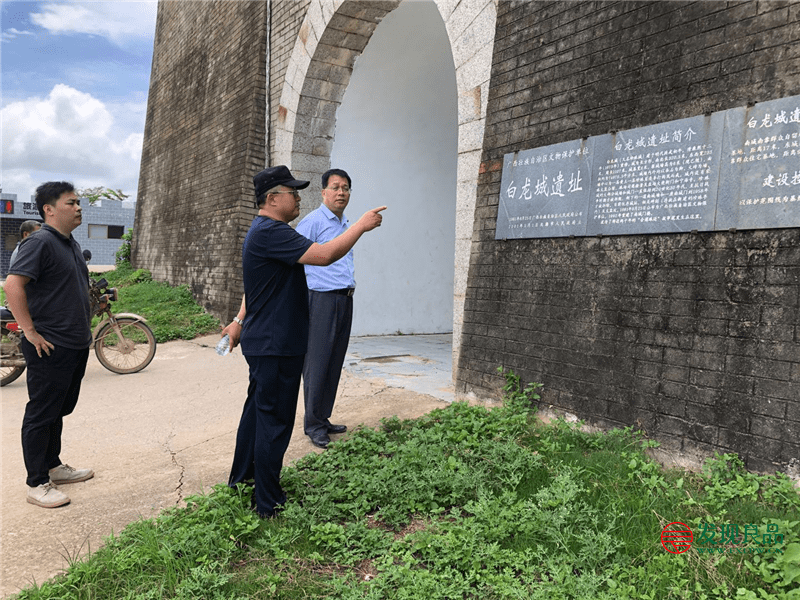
x=275, y=291
x=58, y=292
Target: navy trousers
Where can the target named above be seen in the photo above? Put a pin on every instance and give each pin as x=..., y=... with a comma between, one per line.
x=330, y=319
x=54, y=383
x=266, y=427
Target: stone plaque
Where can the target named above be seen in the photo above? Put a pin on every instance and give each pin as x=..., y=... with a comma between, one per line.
x=737, y=168
x=657, y=179
x=545, y=192
x=760, y=171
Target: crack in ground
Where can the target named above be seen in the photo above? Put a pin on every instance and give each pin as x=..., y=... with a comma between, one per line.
x=201, y=345
x=216, y=437
x=383, y=389
x=173, y=456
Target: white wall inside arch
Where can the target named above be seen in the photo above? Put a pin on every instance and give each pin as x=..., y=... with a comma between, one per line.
x=396, y=135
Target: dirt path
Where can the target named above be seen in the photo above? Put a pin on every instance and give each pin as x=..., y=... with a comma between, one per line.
x=152, y=438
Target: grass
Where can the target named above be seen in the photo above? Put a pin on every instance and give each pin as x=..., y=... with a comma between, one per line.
x=465, y=502
x=171, y=312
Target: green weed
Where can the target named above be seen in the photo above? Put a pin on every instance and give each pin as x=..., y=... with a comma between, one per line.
x=123, y=254
x=171, y=312
x=465, y=502
x=165, y=557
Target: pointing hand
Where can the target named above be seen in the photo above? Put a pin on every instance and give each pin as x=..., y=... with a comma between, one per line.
x=372, y=218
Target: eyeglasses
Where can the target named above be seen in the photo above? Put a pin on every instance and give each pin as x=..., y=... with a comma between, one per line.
x=344, y=189
x=294, y=193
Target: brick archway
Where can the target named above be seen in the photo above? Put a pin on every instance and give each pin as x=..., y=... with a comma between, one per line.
x=332, y=35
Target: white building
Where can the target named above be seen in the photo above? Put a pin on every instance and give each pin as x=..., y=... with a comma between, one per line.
x=104, y=224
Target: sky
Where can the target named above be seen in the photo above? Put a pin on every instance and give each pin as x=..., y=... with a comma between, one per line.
x=75, y=77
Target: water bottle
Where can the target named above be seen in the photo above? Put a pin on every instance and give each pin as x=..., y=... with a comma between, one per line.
x=224, y=345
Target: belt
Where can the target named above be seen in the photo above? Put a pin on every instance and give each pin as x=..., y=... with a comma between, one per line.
x=342, y=292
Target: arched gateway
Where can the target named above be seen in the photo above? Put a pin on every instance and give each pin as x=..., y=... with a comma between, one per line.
x=307, y=52
x=330, y=39
x=684, y=323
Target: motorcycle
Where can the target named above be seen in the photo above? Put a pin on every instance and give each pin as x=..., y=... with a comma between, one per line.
x=12, y=360
x=123, y=343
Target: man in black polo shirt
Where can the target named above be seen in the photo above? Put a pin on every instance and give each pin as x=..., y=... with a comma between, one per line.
x=47, y=290
x=273, y=327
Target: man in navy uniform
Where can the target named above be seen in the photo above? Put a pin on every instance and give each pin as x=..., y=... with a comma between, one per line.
x=272, y=327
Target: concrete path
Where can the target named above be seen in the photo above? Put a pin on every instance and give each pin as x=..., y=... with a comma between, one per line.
x=421, y=363
x=157, y=436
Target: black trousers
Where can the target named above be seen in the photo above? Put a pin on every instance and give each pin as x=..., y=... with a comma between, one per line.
x=54, y=383
x=266, y=427
x=330, y=319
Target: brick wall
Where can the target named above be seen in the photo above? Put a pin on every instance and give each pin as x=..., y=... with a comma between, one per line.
x=694, y=338
x=204, y=141
x=206, y=137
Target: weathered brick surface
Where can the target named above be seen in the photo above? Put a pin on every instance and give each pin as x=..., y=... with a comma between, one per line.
x=204, y=141
x=695, y=338
x=206, y=133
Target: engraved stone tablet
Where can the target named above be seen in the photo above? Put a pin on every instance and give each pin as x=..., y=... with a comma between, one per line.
x=760, y=171
x=657, y=179
x=545, y=192
x=738, y=168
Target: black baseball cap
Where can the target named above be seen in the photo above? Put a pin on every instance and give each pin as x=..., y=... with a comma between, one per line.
x=274, y=176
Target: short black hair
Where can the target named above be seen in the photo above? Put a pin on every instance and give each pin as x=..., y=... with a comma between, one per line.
x=28, y=227
x=327, y=175
x=50, y=192
x=262, y=197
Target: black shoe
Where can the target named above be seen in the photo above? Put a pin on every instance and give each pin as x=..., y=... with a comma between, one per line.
x=321, y=440
x=337, y=428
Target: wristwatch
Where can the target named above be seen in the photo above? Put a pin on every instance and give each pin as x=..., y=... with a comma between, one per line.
x=238, y=320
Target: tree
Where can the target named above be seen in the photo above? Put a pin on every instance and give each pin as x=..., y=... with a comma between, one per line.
x=98, y=193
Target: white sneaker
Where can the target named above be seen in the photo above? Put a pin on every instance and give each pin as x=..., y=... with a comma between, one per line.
x=66, y=474
x=47, y=495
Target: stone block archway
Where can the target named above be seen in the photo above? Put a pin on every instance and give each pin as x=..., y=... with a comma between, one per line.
x=332, y=35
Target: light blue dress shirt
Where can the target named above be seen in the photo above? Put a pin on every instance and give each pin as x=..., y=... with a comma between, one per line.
x=321, y=226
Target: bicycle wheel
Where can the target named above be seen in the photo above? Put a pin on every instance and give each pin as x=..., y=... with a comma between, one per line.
x=11, y=352
x=9, y=374
x=128, y=351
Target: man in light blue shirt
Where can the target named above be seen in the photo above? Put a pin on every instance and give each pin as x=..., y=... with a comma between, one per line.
x=330, y=304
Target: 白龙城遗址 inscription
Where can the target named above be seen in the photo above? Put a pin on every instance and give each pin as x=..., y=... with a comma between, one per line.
x=546, y=191
x=760, y=171
x=704, y=173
